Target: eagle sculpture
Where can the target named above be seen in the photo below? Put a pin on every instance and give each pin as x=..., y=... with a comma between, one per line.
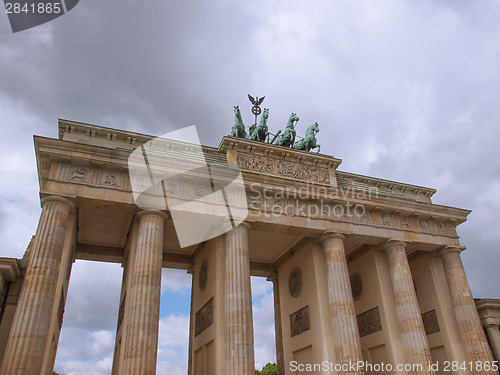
x=256, y=101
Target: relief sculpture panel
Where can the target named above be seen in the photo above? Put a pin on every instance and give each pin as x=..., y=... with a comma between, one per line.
x=283, y=168
x=369, y=322
x=299, y=321
x=430, y=320
x=204, y=318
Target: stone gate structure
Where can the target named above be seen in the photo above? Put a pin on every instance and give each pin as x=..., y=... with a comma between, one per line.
x=363, y=269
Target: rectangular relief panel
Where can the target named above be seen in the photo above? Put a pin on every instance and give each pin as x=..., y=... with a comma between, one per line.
x=431, y=324
x=369, y=322
x=204, y=318
x=299, y=321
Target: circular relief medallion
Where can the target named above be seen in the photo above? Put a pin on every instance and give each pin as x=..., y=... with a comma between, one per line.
x=203, y=275
x=295, y=282
x=356, y=286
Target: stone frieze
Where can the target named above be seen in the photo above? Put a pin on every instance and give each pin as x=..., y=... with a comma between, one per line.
x=92, y=176
x=328, y=209
x=283, y=168
x=277, y=205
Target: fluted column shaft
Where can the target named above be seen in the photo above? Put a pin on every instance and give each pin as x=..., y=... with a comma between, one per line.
x=30, y=328
x=239, y=343
x=494, y=336
x=342, y=315
x=410, y=322
x=278, y=329
x=469, y=323
x=143, y=298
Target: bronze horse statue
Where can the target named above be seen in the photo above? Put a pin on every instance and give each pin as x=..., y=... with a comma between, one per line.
x=238, y=129
x=309, y=141
x=260, y=132
x=287, y=139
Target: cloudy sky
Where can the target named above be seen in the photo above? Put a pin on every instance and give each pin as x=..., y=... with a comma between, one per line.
x=403, y=90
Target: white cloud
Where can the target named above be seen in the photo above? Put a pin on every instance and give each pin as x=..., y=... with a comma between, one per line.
x=173, y=344
x=175, y=280
x=263, y=323
x=76, y=367
x=260, y=286
x=171, y=368
x=87, y=337
x=174, y=331
x=94, y=295
x=85, y=344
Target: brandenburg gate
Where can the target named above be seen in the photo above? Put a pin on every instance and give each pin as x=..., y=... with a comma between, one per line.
x=365, y=270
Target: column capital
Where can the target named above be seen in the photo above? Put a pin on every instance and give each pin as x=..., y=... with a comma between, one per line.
x=152, y=212
x=389, y=244
x=56, y=198
x=327, y=235
x=449, y=249
x=244, y=224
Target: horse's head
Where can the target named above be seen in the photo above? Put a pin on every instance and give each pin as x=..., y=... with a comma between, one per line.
x=314, y=128
x=237, y=113
x=293, y=119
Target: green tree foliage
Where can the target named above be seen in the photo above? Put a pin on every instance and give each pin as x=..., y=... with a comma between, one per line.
x=269, y=369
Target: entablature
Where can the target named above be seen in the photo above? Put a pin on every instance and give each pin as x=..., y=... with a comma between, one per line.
x=78, y=169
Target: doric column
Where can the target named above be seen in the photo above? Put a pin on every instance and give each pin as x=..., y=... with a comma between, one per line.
x=278, y=330
x=410, y=323
x=143, y=296
x=238, y=304
x=469, y=324
x=493, y=332
x=30, y=328
x=342, y=314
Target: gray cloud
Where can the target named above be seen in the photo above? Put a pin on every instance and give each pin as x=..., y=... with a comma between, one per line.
x=93, y=296
x=402, y=90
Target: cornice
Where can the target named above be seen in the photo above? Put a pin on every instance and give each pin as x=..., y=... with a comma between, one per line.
x=278, y=152
x=488, y=303
x=393, y=186
x=68, y=126
x=9, y=268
